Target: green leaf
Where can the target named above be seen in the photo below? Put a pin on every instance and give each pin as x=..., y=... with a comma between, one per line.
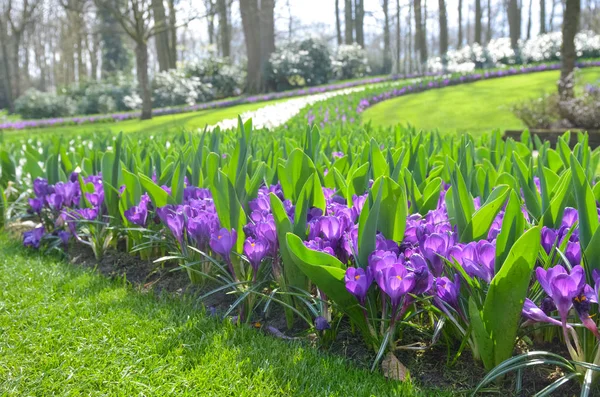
x=158, y=195
x=482, y=219
x=513, y=225
x=481, y=336
x=586, y=204
x=327, y=273
x=393, y=209
x=507, y=292
x=367, y=227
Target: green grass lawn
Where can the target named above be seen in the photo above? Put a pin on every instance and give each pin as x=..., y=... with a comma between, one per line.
x=475, y=107
x=68, y=331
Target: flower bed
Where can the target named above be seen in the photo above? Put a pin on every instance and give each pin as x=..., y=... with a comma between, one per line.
x=406, y=236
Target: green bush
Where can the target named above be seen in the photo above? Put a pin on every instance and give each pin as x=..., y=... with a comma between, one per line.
x=298, y=64
x=34, y=104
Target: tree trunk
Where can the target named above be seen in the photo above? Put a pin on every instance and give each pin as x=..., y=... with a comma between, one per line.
x=224, y=30
x=552, y=11
x=6, y=68
x=387, y=49
x=460, y=24
x=161, y=38
x=409, y=57
x=542, y=16
x=488, y=36
x=172, y=35
x=338, y=27
x=478, y=18
x=348, y=22
x=359, y=15
x=16, y=42
x=141, y=57
x=514, y=23
x=529, y=20
x=420, y=40
x=568, y=54
x=267, y=36
x=398, y=37
x=443, y=28
x=250, y=24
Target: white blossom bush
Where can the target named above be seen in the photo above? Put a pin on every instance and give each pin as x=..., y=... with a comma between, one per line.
x=498, y=52
x=174, y=88
x=226, y=79
x=299, y=63
x=34, y=104
x=350, y=61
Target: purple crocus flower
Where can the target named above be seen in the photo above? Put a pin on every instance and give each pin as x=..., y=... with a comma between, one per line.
x=223, y=242
x=68, y=190
x=447, y=290
x=548, y=238
x=358, y=281
x=64, y=237
x=423, y=278
x=55, y=201
x=396, y=281
x=36, y=205
x=433, y=246
x=138, y=214
x=95, y=199
x=33, y=238
x=570, y=216
x=573, y=253
x=255, y=250
x=321, y=324
x=41, y=188
x=535, y=314
x=562, y=287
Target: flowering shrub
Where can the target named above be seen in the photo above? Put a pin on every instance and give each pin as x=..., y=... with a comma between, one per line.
x=542, y=48
x=350, y=61
x=297, y=64
x=34, y=104
x=225, y=79
x=173, y=88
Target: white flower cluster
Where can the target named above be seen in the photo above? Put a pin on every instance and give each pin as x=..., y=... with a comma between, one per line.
x=272, y=116
x=498, y=52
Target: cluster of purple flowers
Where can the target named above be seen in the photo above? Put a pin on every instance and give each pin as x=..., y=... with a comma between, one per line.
x=63, y=204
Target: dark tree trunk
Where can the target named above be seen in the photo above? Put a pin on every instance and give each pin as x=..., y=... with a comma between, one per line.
x=6, y=68
x=542, y=16
x=251, y=25
x=552, y=13
x=161, y=39
x=409, y=57
x=267, y=36
x=443, y=28
x=420, y=40
x=568, y=54
x=141, y=58
x=398, y=37
x=172, y=34
x=460, y=24
x=224, y=30
x=338, y=26
x=16, y=43
x=529, y=20
x=387, y=49
x=478, y=18
x=359, y=15
x=348, y=22
x=488, y=36
x=514, y=23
